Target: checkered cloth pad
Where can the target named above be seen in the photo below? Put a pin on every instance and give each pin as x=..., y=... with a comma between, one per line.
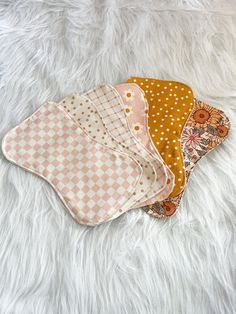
x=89, y=178
x=84, y=113
x=111, y=108
x=136, y=111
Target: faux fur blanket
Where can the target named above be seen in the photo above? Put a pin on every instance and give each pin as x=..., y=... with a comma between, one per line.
x=134, y=264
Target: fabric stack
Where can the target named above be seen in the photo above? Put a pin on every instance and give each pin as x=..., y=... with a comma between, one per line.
x=116, y=148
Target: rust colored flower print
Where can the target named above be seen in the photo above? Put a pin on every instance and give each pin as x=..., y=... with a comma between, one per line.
x=165, y=208
x=170, y=208
x=201, y=116
x=204, y=115
x=222, y=130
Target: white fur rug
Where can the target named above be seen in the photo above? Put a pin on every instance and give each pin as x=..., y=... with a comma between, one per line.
x=135, y=264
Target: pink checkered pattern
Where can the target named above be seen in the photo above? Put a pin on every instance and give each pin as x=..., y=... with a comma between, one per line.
x=89, y=178
x=111, y=108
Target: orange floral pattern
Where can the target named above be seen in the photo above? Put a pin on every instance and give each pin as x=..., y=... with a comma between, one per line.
x=205, y=129
x=222, y=130
x=204, y=115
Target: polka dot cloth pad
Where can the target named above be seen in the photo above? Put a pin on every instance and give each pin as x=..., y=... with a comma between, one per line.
x=206, y=128
x=111, y=109
x=90, y=179
x=83, y=111
x=106, y=102
x=136, y=114
x=170, y=104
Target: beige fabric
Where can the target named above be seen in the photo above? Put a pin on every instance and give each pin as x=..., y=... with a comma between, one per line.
x=111, y=109
x=85, y=114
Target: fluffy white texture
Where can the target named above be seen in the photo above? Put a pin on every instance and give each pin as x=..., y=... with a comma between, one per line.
x=135, y=264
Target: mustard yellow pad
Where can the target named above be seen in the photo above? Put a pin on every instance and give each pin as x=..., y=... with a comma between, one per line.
x=170, y=104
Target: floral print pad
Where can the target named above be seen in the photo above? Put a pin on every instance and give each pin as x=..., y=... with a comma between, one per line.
x=136, y=111
x=206, y=128
x=170, y=104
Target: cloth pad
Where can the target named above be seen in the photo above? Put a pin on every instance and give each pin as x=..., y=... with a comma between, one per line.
x=107, y=102
x=170, y=104
x=206, y=128
x=93, y=119
x=89, y=178
x=136, y=108
x=84, y=113
x=111, y=109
